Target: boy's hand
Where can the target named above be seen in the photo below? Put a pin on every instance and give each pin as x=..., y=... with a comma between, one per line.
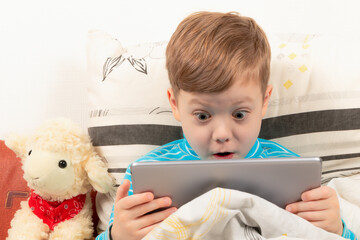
x=130, y=221
x=320, y=206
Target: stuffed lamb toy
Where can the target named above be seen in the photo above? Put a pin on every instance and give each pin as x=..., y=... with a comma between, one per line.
x=61, y=167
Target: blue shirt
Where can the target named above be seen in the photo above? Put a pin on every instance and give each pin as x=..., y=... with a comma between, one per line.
x=181, y=150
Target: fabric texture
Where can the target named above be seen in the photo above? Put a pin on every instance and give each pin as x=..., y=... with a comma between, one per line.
x=315, y=105
x=181, y=150
x=53, y=213
x=13, y=187
x=128, y=107
x=230, y=214
x=347, y=233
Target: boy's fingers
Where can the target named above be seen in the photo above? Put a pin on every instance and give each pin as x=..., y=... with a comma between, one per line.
x=122, y=190
x=307, y=206
x=323, y=192
x=157, y=217
x=136, y=200
x=313, y=216
x=143, y=209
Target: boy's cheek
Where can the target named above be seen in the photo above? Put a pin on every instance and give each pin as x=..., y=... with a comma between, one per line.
x=198, y=145
x=198, y=138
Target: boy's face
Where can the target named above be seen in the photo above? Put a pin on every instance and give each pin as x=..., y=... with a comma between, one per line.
x=221, y=125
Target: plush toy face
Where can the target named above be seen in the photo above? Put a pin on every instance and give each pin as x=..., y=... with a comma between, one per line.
x=51, y=172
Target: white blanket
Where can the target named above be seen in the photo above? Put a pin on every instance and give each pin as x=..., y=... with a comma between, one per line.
x=229, y=214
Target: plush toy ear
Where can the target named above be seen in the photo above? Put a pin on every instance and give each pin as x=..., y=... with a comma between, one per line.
x=98, y=175
x=17, y=143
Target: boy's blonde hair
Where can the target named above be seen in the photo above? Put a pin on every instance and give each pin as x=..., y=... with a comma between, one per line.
x=210, y=50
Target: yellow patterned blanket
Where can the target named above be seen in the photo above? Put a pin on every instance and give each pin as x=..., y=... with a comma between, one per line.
x=229, y=214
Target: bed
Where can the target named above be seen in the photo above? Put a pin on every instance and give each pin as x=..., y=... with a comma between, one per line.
x=314, y=111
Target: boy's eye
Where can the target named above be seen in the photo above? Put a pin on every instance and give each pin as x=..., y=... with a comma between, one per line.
x=202, y=116
x=239, y=115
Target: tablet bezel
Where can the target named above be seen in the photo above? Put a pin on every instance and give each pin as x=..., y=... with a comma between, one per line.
x=278, y=180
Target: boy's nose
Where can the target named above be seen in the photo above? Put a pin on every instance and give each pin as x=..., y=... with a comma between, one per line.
x=222, y=140
x=222, y=133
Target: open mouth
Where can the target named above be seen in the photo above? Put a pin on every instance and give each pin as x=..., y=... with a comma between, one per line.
x=223, y=155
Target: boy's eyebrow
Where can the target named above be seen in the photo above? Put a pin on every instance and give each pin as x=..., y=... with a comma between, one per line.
x=245, y=99
x=196, y=101
x=202, y=102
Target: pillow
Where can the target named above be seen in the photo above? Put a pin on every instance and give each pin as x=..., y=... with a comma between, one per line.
x=129, y=114
x=314, y=109
x=315, y=106
x=13, y=187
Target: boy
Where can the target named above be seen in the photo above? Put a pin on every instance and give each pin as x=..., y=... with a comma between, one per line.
x=218, y=67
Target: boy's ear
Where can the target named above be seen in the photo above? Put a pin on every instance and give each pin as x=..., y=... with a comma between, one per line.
x=266, y=99
x=173, y=104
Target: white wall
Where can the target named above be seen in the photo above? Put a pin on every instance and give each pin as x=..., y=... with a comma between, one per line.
x=43, y=42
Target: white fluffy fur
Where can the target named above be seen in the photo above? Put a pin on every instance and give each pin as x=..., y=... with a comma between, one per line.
x=58, y=137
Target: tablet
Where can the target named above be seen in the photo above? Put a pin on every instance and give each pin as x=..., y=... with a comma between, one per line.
x=278, y=180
